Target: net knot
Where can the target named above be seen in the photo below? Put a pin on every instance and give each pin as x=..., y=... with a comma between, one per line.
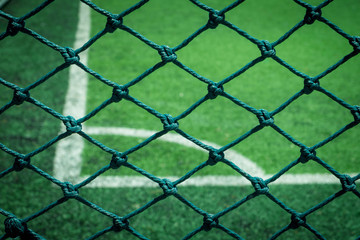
x=72, y=125
x=117, y=160
x=310, y=85
x=15, y=227
x=69, y=190
x=355, y=42
x=356, y=113
x=119, y=93
x=297, y=220
x=311, y=15
x=215, y=157
x=347, y=182
x=215, y=18
x=266, y=49
x=214, y=90
x=69, y=55
x=265, y=118
x=306, y=155
x=210, y=222
x=14, y=26
x=260, y=185
x=169, y=122
x=168, y=187
x=120, y=224
x=113, y=23
x=20, y=163
x=167, y=54
x=20, y=96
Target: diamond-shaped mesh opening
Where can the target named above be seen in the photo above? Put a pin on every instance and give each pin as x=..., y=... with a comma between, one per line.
x=58, y=24
x=24, y=60
x=18, y=10
x=229, y=52
x=93, y=158
x=124, y=114
x=216, y=198
x=303, y=197
x=273, y=21
x=179, y=220
x=182, y=90
x=247, y=221
x=161, y=28
x=346, y=18
x=200, y=123
x=343, y=208
x=343, y=152
x=25, y=134
x=132, y=59
x=125, y=199
x=313, y=118
x=101, y=93
x=79, y=221
x=269, y=150
x=344, y=89
x=44, y=93
x=265, y=85
x=327, y=47
x=26, y=186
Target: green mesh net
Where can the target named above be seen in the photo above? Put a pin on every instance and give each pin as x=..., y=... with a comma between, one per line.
x=15, y=226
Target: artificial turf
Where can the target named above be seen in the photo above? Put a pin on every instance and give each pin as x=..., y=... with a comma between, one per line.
x=24, y=128
x=216, y=54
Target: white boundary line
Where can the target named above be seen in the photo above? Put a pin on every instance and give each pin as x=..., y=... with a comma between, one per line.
x=67, y=162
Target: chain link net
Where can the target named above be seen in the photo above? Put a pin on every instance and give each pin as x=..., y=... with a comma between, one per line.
x=15, y=226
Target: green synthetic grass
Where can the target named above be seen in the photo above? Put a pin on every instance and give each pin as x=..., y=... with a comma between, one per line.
x=216, y=54
x=25, y=128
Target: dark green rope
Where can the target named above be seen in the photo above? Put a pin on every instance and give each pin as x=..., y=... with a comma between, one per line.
x=15, y=227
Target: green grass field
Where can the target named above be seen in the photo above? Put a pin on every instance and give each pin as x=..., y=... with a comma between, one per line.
x=215, y=54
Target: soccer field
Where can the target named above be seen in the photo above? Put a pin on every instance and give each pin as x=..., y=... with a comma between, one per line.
x=215, y=55
x=311, y=119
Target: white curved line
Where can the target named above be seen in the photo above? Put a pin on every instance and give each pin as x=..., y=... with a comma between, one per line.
x=239, y=160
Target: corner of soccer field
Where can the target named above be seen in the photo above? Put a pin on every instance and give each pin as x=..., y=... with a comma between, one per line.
x=221, y=135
